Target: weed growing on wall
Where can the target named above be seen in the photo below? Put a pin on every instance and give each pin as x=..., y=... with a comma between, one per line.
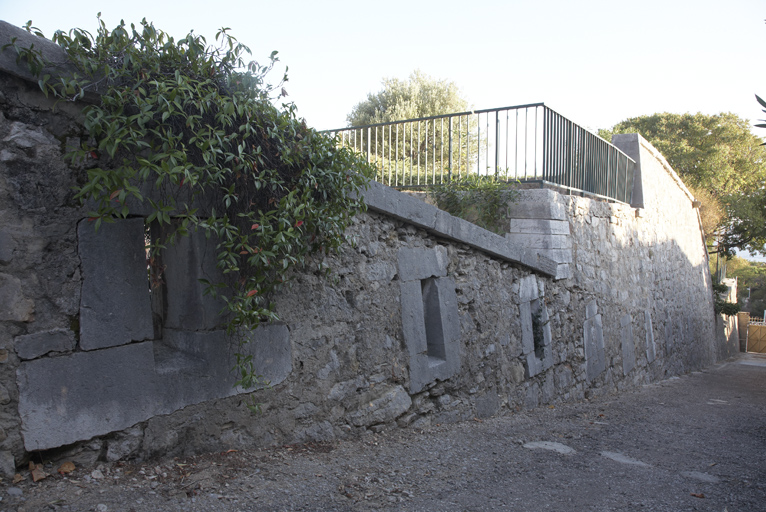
x=191, y=131
x=482, y=200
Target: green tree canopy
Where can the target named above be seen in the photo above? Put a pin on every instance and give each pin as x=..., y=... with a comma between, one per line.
x=418, y=96
x=719, y=154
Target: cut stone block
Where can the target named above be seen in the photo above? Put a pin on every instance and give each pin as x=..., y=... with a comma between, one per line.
x=539, y=226
x=595, y=359
x=38, y=344
x=541, y=241
x=536, y=337
x=186, y=262
x=651, y=352
x=668, y=333
x=85, y=394
x=591, y=309
x=76, y=397
x=544, y=208
x=628, y=345
x=115, y=307
x=272, y=352
x=528, y=290
x=527, y=337
x=415, y=264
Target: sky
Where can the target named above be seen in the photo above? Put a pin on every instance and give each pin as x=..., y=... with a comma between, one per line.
x=595, y=62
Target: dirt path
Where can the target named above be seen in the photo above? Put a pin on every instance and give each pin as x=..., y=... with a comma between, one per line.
x=691, y=443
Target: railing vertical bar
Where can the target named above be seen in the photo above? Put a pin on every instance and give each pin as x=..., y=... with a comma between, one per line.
x=536, y=140
x=507, y=118
x=459, y=143
x=441, y=150
x=433, y=161
x=497, y=143
x=411, y=157
x=546, y=139
x=425, y=144
x=516, y=148
x=449, y=171
x=389, y=155
x=478, y=144
x=418, y=168
x=396, y=158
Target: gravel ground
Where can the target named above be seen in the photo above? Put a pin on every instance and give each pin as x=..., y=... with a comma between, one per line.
x=691, y=443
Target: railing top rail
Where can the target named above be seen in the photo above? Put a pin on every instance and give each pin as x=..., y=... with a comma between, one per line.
x=441, y=116
x=621, y=152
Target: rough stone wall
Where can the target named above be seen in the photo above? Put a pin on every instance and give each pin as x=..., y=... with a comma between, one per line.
x=425, y=319
x=40, y=278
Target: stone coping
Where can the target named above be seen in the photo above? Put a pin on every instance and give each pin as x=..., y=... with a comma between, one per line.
x=388, y=201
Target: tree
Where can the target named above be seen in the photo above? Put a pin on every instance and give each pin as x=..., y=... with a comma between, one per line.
x=719, y=154
x=751, y=284
x=418, y=96
x=415, y=149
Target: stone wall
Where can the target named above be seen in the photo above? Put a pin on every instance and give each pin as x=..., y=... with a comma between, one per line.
x=425, y=319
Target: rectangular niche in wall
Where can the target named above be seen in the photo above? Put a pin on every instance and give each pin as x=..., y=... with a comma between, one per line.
x=535, y=328
x=429, y=316
x=436, y=350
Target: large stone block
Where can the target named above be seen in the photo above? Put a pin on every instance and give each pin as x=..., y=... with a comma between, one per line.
x=593, y=335
x=628, y=345
x=528, y=290
x=539, y=226
x=192, y=367
x=591, y=309
x=651, y=351
x=546, y=207
x=72, y=398
x=272, y=352
x=541, y=241
x=414, y=332
x=186, y=262
x=387, y=200
x=416, y=264
x=34, y=345
x=115, y=308
x=536, y=337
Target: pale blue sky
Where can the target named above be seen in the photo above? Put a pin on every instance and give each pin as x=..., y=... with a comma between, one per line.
x=596, y=62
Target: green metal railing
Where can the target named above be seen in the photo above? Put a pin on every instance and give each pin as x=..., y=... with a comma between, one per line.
x=525, y=143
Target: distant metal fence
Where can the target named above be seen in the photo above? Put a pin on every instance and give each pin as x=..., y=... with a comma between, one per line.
x=525, y=142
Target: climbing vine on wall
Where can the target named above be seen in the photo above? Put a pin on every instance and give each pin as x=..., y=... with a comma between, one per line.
x=191, y=131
